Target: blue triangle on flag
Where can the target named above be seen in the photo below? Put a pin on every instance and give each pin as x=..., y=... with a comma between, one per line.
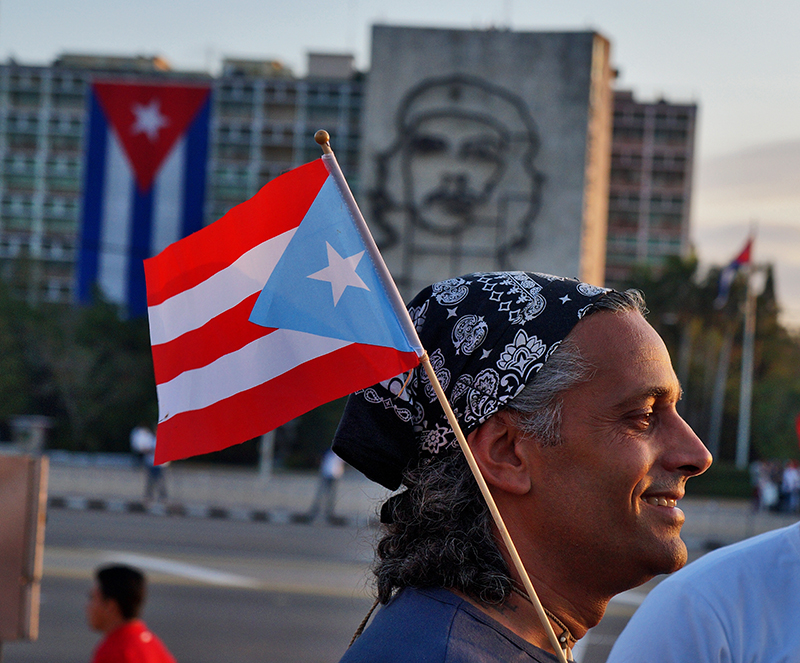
x=321, y=285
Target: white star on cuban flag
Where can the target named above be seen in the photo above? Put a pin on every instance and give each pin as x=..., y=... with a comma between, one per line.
x=149, y=119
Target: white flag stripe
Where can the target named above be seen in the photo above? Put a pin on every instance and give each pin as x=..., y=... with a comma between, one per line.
x=168, y=199
x=274, y=355
x=193, y=308
x=115, y=233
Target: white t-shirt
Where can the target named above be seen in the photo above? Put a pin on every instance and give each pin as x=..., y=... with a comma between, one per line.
x=738, y=604
x=332, y=466
x=142, y=440
x=791, y=478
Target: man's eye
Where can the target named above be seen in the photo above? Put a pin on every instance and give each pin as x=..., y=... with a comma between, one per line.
x=642, y=420
x=428, y=145
x=482, y=150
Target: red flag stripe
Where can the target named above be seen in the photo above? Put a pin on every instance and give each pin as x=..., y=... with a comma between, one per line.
x=193, y=308
x=279, y=206
x=264, y=359
x=228, y=332
x=247, y=414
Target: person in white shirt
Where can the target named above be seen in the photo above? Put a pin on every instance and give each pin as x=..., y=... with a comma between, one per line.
x=738, y=604
x=331, y=470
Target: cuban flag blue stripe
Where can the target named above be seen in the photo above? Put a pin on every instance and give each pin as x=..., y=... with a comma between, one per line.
x=92, y=201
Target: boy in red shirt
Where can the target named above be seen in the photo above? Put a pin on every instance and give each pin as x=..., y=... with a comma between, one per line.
x=114, y=606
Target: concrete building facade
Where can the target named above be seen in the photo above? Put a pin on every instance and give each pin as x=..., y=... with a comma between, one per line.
x=485, y=150
x=263, y=122
x=475, y=150
x=652, y=156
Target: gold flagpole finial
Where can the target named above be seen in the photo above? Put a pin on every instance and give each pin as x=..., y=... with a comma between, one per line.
x=323, y=140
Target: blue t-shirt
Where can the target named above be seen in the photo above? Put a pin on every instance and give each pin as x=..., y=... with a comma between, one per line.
x=436, y=626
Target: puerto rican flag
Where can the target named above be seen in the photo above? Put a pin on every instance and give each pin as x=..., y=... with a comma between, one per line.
x=267, y=313
x=144, y=188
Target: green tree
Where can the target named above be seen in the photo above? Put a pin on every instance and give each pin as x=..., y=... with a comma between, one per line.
x=84, y=366
x=15, y=375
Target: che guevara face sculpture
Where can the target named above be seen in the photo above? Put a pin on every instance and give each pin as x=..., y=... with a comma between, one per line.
x=460, y=172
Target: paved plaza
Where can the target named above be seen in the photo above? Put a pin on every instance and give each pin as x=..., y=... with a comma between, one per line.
x=111, y=481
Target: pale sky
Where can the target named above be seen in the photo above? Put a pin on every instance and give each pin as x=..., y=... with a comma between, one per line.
x=739, y=60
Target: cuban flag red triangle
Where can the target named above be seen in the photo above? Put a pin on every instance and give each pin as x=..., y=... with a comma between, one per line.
x=148, y=120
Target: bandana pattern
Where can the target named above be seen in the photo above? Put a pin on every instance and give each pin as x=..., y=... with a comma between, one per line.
x=487, y=334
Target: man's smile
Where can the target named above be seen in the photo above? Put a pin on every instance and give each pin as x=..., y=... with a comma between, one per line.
x=661, y=501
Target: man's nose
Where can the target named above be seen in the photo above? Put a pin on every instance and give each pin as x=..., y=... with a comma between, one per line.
x=687, y=453
x=455, y=182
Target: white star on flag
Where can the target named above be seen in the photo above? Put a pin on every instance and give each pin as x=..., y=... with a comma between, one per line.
x=340, y=273
x=149, y=120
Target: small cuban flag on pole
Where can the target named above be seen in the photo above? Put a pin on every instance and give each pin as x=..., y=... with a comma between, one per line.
x=728, y=273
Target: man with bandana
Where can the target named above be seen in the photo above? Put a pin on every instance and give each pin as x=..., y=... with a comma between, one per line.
x=567, y=397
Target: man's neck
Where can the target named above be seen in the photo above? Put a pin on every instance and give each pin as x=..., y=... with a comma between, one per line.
x=115, y=623
x=518, y=614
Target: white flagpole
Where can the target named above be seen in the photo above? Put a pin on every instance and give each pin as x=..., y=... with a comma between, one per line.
x=323, y=139
x=746, y=383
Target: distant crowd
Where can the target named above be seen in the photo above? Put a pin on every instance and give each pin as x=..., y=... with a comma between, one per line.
x=776, y=485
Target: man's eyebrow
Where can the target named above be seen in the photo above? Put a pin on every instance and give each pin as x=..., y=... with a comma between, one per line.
x=655, y=393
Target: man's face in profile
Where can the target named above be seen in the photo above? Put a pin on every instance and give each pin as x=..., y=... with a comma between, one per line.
x=99, y=609
x=610, y=490
x=451, y=166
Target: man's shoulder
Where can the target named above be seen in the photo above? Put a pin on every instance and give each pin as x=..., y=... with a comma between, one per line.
x=778, y=546
x=436, y=626
x=742, y=599
x=413, y=626
x=132, y=642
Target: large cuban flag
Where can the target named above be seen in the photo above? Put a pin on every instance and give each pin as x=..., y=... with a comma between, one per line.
x=144, y=188
x=275, y=309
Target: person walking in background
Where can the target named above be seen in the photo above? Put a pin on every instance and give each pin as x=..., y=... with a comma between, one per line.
x=155, y=488
x=142, y=440
x=115, y=603
x=790, y=486
x=768, y=487
x=143, y=446
x=331, y=470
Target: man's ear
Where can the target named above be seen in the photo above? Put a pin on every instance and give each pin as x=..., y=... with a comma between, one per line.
x=497, y=447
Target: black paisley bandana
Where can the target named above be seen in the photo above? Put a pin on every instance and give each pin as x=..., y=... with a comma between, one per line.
x=487, y=335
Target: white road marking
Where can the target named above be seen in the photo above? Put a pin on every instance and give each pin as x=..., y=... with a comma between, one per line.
x=276, y=575
x=183, y=570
